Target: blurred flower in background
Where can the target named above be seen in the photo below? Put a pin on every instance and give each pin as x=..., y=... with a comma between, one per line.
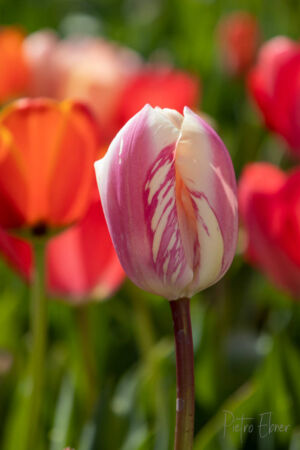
x=14, y=69
x=17, y=253
x=269, y=202
x=160, y=86
x=45, y=175
x=81, y=262
x=112, y=80
x=88, y=69
x=238, y=37
x=274, y=85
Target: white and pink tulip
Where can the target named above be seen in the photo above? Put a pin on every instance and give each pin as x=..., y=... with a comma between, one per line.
x=168, y=191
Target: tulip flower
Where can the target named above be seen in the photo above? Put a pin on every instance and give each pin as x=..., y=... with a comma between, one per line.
x=238, y=37
x=14, y=73
x=168, y=186
x=269, y=207
x=273, y=84
x=168, y=193
x=45, y=173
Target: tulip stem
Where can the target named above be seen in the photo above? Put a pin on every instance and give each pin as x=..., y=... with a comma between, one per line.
x=89, y=363
x=185, y=396
x=38, y=329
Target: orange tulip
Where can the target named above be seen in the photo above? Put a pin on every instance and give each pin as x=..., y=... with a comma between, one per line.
x=14, y=72
x=47, y=151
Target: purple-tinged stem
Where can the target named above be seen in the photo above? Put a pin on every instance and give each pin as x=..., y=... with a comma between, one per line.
x=185, y=397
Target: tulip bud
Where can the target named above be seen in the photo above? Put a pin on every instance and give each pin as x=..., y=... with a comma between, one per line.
x=169, y=197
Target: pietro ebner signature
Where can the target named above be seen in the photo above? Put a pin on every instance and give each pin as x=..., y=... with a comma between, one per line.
x=243, y=425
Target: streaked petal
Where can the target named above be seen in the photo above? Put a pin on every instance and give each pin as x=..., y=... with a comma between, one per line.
x=132, y=176
x=206, y=169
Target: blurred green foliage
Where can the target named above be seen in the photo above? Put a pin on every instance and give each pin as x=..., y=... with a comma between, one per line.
x=111, y=365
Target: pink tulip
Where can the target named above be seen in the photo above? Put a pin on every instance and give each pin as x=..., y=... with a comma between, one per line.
x=92, y=70
x=168, y=192
x=39, y=49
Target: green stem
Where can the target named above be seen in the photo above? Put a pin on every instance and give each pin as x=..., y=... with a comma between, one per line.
x=86, y=342
x=37, y=356
x=185, y=401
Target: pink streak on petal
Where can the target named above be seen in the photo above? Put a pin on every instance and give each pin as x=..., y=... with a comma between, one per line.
x=162, y=220
x=223, y=202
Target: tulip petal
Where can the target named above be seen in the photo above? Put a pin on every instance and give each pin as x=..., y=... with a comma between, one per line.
x=71, y=177
x=211, y=182
x=82, y=262
x=130, y=183
x=14, y=74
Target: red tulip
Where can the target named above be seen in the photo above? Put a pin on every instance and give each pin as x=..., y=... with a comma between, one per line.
x=14, y=71
x=270, y=209
x=274, y=85
x=81, y=262
x=238, y=37
x=158, y=86
x=46, y=171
